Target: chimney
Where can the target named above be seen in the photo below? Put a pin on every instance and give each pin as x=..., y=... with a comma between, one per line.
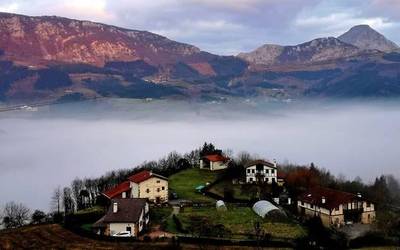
x=115, y=207
x=323, y=200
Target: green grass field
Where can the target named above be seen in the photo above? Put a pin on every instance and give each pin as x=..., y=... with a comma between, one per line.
x=219, y=187
x=185, y=182
x=240, y=220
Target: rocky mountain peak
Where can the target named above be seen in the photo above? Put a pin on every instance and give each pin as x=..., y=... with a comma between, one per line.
x=366, y=38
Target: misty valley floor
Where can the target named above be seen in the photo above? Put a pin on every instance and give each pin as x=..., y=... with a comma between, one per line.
x=44, y=149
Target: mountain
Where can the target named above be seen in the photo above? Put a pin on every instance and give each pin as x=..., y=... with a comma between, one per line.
x=266, y=54
x=317, y=50
x=56, y=59
x=366, y=38
x=49, y=56
x=40, y=40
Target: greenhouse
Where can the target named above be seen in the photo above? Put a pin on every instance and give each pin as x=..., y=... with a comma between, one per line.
x=263, y=208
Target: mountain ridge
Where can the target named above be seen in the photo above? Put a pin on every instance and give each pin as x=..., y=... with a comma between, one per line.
x=59, y=58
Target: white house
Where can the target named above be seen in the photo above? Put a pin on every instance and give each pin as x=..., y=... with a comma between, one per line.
x=214, y=162
x=124, y=215
x=261, y=171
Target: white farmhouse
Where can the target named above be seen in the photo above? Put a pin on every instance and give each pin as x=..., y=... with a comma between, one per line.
x=261, y=171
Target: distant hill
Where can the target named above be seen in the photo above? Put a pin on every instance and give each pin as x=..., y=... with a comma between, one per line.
x=317, y=50
x=54, y=58
x=366, y=38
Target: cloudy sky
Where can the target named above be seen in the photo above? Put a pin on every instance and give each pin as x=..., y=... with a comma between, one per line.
x=227, y=26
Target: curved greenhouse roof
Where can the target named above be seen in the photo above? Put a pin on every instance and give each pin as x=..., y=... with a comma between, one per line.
x=263, y=207
x=220, y=203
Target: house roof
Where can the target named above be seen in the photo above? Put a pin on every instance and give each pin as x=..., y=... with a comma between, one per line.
x=123, y=187
x=129, y=210
x=333, y=198
x=263, y=162
x=216, y=157
x=144, y=175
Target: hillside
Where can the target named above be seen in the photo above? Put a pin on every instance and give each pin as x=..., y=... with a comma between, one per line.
x=53, y=236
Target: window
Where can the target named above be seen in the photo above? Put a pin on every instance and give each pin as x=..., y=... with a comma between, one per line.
x=311, y=206
x=273, y=180
x=147, y=190
x=158, y=181
x=253, y=171
x=251, y=179
x=163, y=188
x=267, y=179
x=248, y=171
x=158, y=189
x=129, y=229
x=272, y=171
x=368, y=204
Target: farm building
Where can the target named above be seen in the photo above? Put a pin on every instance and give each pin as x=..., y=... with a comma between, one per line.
x=214, y=162
x=144, y=184
x=336, y=208
x=124, y=215
x=261, y=171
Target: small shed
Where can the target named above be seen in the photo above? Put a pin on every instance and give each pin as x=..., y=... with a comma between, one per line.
x=220, y=205
x=264, y=208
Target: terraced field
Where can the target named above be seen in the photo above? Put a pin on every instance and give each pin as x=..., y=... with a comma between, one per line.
x=54, y=236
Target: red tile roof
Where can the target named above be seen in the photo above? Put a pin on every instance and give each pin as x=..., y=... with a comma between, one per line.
x=333, y=198
x=139, y=177
x=123, y=187
x=216, y=157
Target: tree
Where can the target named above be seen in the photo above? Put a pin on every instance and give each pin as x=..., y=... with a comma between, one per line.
x=56, y=200
x=207, y=149
x=68, y=201
x=77, y=186
x=15, y=215
x=38, y=217
x=84, y=198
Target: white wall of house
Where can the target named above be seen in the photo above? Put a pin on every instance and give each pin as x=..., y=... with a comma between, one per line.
x=153, y=188
x=217, y=165
x=119, y=227
x=134, y=190
x=269, y=173
x=214, y=165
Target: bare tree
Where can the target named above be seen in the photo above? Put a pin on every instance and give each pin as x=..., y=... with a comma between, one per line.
x=15, y=215
x=56, y=200
x=68, y=201
x=77, y=186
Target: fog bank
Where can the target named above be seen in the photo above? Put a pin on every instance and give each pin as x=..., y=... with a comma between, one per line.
x=44, y=149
